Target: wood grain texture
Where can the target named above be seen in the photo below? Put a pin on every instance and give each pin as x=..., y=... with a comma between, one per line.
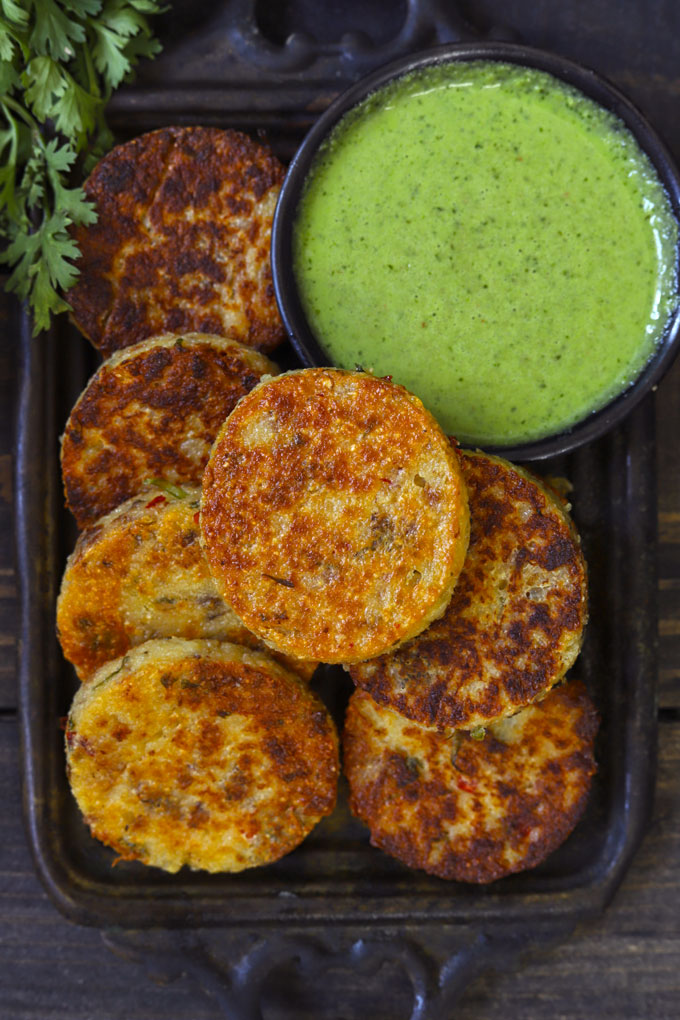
x=668, y=474
x=8, y=589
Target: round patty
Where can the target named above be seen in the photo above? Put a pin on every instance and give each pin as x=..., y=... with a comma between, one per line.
x=472, y=809
x=152, y=411
x=139, y=573
x=200, y=753
x=334, y=514
x=181, y=241
x=515, y=623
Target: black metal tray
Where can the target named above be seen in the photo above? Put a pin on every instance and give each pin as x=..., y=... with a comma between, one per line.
x=334, y=902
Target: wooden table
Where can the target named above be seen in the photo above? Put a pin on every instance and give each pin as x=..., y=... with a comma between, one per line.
x=624, y=965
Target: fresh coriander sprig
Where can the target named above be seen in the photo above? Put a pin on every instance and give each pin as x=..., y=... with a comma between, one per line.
x=60, y=60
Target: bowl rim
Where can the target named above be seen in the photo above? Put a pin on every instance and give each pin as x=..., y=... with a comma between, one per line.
x=596, y=423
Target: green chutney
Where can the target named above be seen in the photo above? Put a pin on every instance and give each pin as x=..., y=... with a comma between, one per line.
x=492, y=239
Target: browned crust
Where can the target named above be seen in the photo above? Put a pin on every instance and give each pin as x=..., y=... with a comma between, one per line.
x=141, y=573
x=334, y=514
x=515, y=622
x=484, y=810
x=136, y=414
x=213, y=758
x=181, y=242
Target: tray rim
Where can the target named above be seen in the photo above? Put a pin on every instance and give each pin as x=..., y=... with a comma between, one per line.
x=98, y=904
x=95, y=903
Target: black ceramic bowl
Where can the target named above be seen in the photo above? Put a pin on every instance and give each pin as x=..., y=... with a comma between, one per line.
x=307, y=344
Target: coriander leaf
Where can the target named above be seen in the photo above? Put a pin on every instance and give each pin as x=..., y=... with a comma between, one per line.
x=83, y=7
x=72, y=201
x=22, y=253
x=45, y=167
x=61, y=247
x=114, y=49
x=44, y=298
x=15, y=12
x=42, y=263
x=6, y=42
x=121, y=18
x=58, y=158
x=141, y=46
x=59, y=62
x=108, y=55
x=75, y=111
x=44, y=82
x=9, y=78
x=76, y=206
x=54, y=32
x=147, y=6
x=33, y=181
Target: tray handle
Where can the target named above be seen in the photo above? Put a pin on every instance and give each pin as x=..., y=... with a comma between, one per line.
x=426, y=23
x=234, y=969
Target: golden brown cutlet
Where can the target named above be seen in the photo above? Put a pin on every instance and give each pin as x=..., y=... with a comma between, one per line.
x=152, y=411
x=140, y=573
x=515, y=622
x=472, y=809
x=201, y=754
x=334, y=514
x=181, y=242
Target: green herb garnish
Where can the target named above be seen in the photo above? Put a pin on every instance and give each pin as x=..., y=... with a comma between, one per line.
x=124, y=663
x=60, y=61
x=478, y=733
x=172, y=490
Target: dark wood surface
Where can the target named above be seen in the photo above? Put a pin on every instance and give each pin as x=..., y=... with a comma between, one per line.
x=625, y=964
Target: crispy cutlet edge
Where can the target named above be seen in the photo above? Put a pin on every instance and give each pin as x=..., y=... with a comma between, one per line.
x=586, y=730
x=560, y=504
x=258, y=361
x=463, y=538
x=175, y=133
x=92, y=179
x=216, y=651
x=558, y=500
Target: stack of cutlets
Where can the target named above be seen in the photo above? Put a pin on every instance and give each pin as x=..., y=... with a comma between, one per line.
x=243, y=524
x=332, y=513
x=187, y=743
x=467, y=753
